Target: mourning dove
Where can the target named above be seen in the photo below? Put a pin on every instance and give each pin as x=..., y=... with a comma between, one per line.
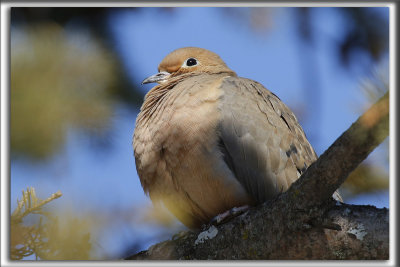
x=207, y=140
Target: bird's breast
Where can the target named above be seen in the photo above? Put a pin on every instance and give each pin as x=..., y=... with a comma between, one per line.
x=183, y=121
x=177, y=153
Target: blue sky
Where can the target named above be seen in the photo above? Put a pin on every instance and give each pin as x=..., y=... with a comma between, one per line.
x=92, y=180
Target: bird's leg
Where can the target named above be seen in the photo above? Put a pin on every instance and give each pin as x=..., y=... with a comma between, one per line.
x=229, y=214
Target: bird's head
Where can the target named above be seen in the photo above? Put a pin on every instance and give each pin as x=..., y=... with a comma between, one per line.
x=188, y=60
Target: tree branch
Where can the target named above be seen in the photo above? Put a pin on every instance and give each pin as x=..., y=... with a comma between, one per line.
x=303, y=222
x=331, y=169
x=259, y=234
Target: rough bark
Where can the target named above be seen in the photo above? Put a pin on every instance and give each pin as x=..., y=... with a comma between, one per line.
x=304, y=222
x=262, y=233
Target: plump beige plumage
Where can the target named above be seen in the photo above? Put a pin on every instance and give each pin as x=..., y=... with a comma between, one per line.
x=207, y=140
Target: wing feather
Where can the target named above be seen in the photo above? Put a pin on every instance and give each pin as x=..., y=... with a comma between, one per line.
x=265, y=144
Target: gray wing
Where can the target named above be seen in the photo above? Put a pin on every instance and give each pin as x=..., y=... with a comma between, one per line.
x=260, y=139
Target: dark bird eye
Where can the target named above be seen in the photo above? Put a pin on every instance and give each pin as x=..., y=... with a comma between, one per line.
x=191, y=62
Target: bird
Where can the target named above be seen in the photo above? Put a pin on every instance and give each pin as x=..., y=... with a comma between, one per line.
x=207, y=141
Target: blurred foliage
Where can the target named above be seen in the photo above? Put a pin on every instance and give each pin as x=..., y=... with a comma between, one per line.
x=367, y=31
x=95, y=21
x=375, y=85
x=58, y=233
x=46, y=238
x=59, y=79
x=94, y=17
x=366, y=178
x=370, y=175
